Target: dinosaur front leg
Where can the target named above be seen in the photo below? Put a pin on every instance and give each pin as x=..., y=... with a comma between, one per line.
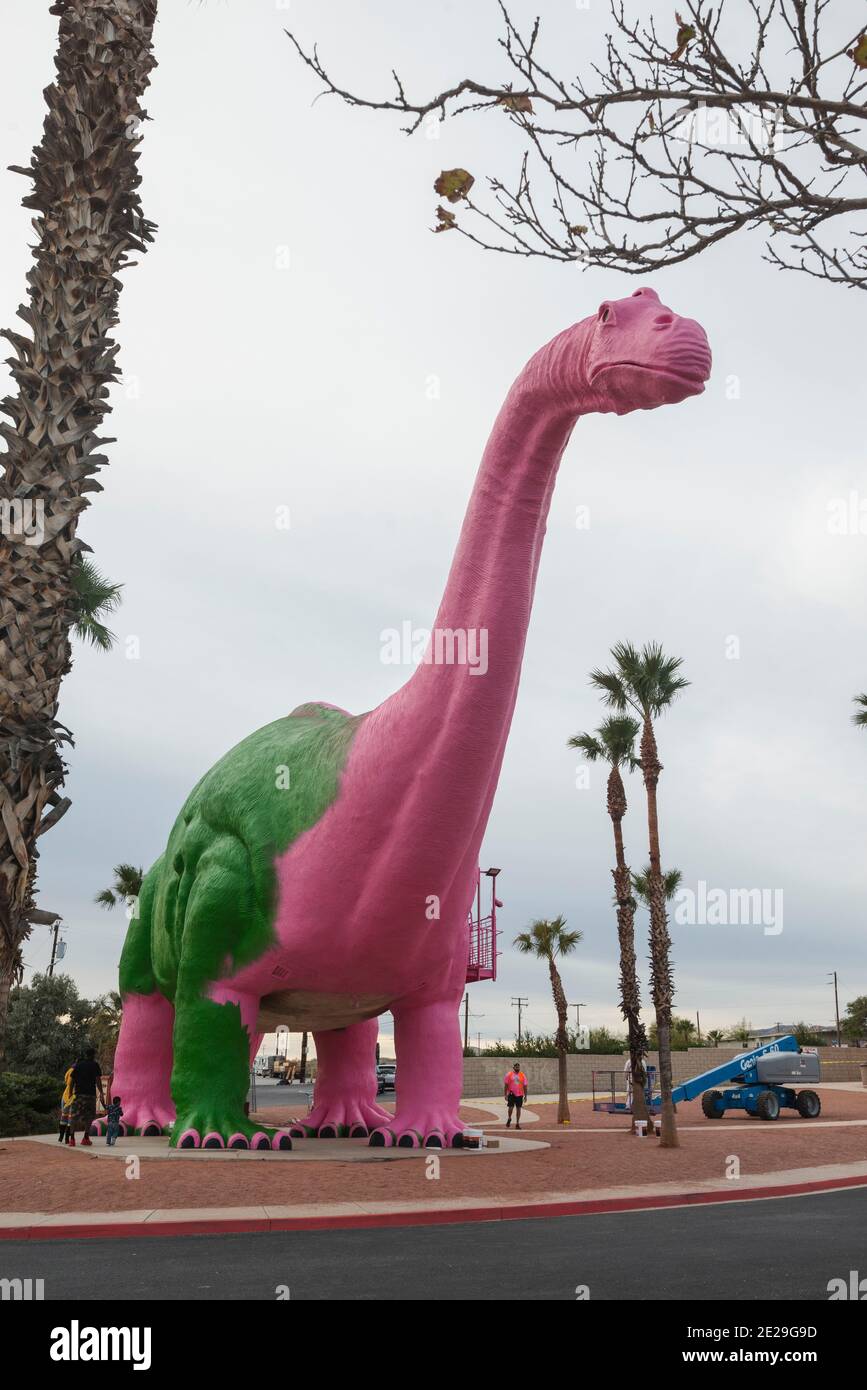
x=211, y=1074
x=143, y=1064
x=344, y=1099
x=427, y=1041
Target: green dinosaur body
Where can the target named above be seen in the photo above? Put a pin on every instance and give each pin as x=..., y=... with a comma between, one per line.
x=219, y=861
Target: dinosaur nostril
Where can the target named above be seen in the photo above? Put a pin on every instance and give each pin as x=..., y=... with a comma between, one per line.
x=663, y=320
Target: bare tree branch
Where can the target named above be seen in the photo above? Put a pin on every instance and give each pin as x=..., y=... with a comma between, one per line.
x=674, y=142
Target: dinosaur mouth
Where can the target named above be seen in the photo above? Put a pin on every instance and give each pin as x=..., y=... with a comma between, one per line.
x=692, y=378
x=627, y=386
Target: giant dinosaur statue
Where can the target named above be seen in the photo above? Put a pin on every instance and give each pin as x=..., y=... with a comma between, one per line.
x=320, y=874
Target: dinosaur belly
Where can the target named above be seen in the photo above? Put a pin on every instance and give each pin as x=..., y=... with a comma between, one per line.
x=305, y=1010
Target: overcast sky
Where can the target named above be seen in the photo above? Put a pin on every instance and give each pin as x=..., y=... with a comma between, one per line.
x=279, y=342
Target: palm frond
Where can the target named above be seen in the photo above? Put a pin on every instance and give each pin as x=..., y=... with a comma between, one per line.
x=612, y=688
x=127, y=885
x=645, y=680
x=614, y=741
x=94, y=596
x=859, y=718
x=618, y=735
x=547, y=939
x=589, y=745
x=128, y=880
x=671, y=881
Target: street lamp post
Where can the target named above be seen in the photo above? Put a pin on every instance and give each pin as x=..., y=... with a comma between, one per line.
x=832, y=974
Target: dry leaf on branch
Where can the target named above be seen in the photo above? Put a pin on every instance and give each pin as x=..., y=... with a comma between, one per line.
x=516, y=102
x=858, y=54
x=454, y=184
x=446, y=220
x=685, y=36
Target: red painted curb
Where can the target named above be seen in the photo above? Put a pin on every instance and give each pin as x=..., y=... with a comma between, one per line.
x=434, y=1217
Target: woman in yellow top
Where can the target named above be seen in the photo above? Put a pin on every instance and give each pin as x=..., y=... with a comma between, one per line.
x=67, y=1101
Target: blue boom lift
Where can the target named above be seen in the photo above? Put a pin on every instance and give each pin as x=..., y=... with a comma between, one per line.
x=764, y=1083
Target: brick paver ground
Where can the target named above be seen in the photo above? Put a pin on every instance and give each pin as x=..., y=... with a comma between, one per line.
x=36, y=1177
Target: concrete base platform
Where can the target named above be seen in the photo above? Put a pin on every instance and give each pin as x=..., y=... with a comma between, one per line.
x=303, y=1151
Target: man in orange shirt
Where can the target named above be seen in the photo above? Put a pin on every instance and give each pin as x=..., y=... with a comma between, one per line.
x=515, y=1092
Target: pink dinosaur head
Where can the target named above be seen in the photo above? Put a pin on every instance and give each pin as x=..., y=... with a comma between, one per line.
x=640, y=355
x=633, y=354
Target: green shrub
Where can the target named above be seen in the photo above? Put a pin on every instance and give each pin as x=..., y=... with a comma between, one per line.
x=28, y=1104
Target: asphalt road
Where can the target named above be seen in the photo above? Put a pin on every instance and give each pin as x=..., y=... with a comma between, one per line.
x=270, y=1096
x=783, y=1249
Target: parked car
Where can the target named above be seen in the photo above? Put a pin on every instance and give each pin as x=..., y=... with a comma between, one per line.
x=386, y=1077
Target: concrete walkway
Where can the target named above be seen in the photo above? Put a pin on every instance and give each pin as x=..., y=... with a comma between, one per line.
x=336, y=1215
x=366, y=1213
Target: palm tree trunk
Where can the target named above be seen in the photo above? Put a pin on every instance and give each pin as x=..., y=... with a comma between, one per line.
x=562, y=1042
x=88, y=221
x=8, y=968
x=661, y=978
x=630, y=995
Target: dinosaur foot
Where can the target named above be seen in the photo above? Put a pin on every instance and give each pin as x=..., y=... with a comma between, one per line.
x=149, y=1130
x=340, y=1119
x=212, y=1134
x=147, y=1120
x=419, y=1130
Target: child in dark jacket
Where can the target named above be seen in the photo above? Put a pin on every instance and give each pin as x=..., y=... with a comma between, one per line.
x=113, y=1113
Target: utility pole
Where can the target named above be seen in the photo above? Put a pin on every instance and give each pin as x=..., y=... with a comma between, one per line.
x=467, y=1017
x=521, y=1003
x=55, y=931
x=836, y=1006
x=578, y=1008
x=302, y=1070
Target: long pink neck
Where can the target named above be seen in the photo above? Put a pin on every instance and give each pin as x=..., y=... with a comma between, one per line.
x=447, y=727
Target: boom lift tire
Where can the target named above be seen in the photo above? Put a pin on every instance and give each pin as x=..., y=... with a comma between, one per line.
x=710, y=1105
x=767, y=1105
x=808, y=1104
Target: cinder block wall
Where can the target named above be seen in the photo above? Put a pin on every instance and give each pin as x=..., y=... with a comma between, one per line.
x=483, y=1076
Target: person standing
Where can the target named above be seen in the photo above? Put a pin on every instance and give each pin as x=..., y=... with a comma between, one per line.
x=515, y=1093
x=113, y=1112
x=67, y=1101
x=87, y=1081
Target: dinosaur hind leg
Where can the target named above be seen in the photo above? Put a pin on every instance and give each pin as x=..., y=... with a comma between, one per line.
x=344, y=1099
x=427, y=1039
x=143, y=1064
x=143, y=1056
x=215, y=1021
x=214, y=1037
